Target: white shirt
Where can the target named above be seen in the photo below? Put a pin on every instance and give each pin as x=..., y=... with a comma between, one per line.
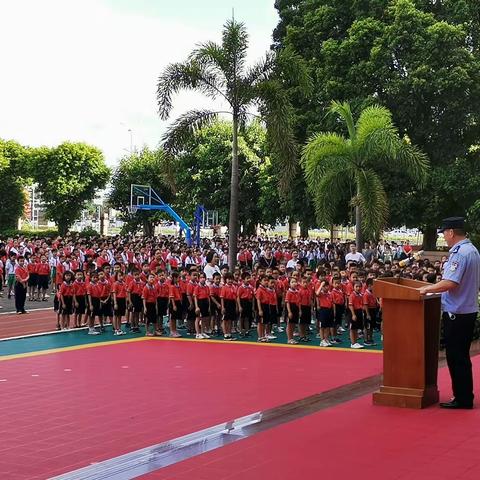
x=209, y=270
x=354, y=257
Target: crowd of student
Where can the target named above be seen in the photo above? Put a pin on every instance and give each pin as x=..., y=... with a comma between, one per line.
x=301, y=286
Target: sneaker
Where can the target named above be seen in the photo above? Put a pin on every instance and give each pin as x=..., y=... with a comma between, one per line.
x=304, y=339
x=205, y=335
x=324, y=343
x=281, y=329
x=341, y=330
x=263, y=339
x=356, y=346
x=318, y=335
x=296, y=334
x=271, y=337
x=228, y=338
x=121, y=332
x=175, y=335
x=92, y=331
x=292, y=342
x=367, y=344
x=199, y=336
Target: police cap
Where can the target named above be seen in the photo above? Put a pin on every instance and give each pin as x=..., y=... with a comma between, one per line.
x=452, y=222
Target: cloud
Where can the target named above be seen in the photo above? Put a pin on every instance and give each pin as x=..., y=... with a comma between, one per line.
x=85, y=71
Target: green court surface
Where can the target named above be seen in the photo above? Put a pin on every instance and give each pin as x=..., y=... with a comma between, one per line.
x=80, y=337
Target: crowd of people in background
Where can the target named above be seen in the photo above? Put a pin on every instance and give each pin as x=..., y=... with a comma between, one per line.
x=308, y=288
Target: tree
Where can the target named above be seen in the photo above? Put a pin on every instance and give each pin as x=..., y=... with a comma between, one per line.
x=146, y=167
x=333, y=163
x=419, y=59
x=68, y=176
x=203, y=171
x=219, y=71
x=14, y=174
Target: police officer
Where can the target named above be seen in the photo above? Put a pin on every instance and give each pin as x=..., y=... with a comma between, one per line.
x=459, y=287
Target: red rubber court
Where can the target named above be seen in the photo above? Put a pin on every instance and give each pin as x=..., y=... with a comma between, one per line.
x=64, y=410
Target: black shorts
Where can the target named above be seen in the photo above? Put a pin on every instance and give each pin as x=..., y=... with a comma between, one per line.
x=230, y=310
x=305, y=314
x=204, y=306
x=43, y=282
x=265, y=318
x=295, y=309
x=373, y=312
x=280, y=307
x=68, y=309
x=325, y=317
x=106, y=308
x=121, y=307
x=339, y=311
x=162, y=306
x=151, y=315
x=96, y=307
x=273, y=314
x=137, y=303
x=33, y=279
x=214, y=310
x=247, y=309
x=178, y=313
x=56, y=303
x=357, y=324
x=81, y=305
x=191, y=315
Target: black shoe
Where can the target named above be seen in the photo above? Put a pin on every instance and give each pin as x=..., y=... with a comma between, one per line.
x=454, y=405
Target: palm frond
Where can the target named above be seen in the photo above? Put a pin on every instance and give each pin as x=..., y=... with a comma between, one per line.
x=327, y=192
x=292, y=67
x=261, y=70
x=277, y=111
x=235, y=46
x=343, y=110
x=189, y=75
x=325, y=152
x=182, y=130
x=211, y=55
x=372, y=199
x=414, y=162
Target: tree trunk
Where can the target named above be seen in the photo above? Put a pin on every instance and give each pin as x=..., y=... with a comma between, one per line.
x=429, y=238
x=292, y=228
x=332, y=229
x=147, y=228
x=303, y=229
x=358, y=228
x=234, y=193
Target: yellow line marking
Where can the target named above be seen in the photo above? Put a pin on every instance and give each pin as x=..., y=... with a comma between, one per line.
x=268, y=344
x=69, y=349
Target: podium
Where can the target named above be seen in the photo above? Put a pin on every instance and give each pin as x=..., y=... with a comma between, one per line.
x=411, y=337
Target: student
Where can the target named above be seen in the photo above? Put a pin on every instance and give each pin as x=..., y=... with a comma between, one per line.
x=134, y=295
x=94, y=293
x=32, y=267
x=201, y=297
x=176, y=306
x=43, y=270
x=263, y=307
x=67, y=293
x=356, y=307
x=338, y=297
x=215, y=303
x=191, y=316
x=228, y=297
x=292, y=302
x=273, y=314
x=371, y=312
x=10, y=273
x=325, y=314
x=245, y=296
x=79, y=298
x=119, y=292
x=305, y=298
x=149, y=297
x=105, y=299
x=163, y=299
x=21, y=282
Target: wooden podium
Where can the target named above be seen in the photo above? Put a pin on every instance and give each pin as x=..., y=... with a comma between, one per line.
x=411, y=334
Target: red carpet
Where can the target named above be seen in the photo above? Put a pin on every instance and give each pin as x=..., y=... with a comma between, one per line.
x=352, y=441
x=66, y=410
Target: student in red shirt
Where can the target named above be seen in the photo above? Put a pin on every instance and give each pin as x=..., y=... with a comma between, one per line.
x=228, y=297
x=119, y=292
x=338, y=297
x=356, y=306
x=94, y=293
x=292, y=302
x=325, y=313
x=371, y=311
x=79, y=298
x=262, y=297
x=66, y=299
x=245, y=296
x=32, y=267
x=305, y=296
x=149, y=297
x=43, y=277
x=191, y=316
x=176, y=309
x=105, y=298
x=134, y=298
x=280, y=291
x=21, y=282
x=201, y=297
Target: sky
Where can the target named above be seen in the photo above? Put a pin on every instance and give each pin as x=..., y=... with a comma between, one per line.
x=86, y=70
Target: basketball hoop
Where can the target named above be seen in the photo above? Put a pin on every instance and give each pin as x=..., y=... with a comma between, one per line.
x=132, y=209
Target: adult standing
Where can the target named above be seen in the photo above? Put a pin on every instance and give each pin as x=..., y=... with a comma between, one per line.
x=267, y=260
x=353, y=255
x=459, y=287
x=212, y=265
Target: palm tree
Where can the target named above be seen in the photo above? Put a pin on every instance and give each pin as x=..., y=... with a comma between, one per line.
x=334, y=164
x=219, y=71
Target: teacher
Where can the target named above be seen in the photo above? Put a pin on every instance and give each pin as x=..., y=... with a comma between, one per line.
x=459, y=287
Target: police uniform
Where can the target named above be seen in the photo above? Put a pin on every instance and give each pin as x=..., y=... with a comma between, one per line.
x=460, y=308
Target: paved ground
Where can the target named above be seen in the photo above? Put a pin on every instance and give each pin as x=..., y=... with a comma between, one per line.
x=8, y=304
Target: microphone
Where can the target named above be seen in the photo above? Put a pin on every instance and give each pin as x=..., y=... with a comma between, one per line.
x=416, y=256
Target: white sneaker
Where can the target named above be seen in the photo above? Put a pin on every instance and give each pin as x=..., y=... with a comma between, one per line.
x=271, y=337
x=356, y=346
x=205, y=335
x=324, y=343
x=281, y=329
x=92, y=331
x=199, y=336
x=329, y=343
x=341, y=330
